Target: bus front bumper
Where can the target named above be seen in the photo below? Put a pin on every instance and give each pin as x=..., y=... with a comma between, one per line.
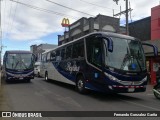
x=19, y=78
x=127, y=89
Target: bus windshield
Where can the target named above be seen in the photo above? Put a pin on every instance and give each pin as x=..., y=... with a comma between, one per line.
x=127, y=55
x=19, y=61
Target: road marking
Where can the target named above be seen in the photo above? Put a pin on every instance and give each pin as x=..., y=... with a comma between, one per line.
x=150, y=94
x=140, y=105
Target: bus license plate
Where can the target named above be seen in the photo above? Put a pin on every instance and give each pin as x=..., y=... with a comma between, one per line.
x=131, y=89
x=21, y=78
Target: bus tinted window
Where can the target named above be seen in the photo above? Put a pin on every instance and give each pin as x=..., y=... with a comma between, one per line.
x=78, y=50
x=58, y=57
x=44, y=57
x=62, y=54
x=94, y=50
x=48, y=56
x=69, y=52
x=53, y=56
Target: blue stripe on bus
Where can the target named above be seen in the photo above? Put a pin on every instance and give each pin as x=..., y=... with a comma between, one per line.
x=72, y=77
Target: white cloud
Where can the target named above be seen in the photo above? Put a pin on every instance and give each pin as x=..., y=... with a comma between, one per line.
x=35, y=42
x=30, y=24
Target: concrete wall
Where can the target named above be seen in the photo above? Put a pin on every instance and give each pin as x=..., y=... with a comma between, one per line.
x=155, y=23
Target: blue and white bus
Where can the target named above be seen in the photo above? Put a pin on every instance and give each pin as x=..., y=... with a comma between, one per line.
x=18, y=65
x=100, y=61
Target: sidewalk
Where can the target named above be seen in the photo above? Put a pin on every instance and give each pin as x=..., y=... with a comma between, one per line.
x=0, y=79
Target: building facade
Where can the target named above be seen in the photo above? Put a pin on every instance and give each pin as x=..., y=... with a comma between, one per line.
x=148, y=30
x=155, y=39
x=85, y=26
x=37, y=50
x=155, y=23
x=141, y=29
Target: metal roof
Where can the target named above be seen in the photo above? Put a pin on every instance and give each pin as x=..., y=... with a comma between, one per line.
x=18, y=51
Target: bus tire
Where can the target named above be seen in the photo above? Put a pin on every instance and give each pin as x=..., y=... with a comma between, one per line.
x=46, y=76
x=80, y=85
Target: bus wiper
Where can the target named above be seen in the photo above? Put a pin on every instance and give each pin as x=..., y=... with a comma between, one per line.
x=127, y=58
x=24, y=64
x=16, y=64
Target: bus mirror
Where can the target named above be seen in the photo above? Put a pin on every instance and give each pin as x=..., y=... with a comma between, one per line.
x=155, y=49
x=110, y=44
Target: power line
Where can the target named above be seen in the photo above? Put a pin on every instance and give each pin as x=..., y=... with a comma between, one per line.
x=44, y=10
x=97, y=5
x=69, y=8
x=13, y=17
x=9, y=20
x=126, y=14
x=3, y=34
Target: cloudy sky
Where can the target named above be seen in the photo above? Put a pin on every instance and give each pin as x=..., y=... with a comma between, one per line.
x=28, y=22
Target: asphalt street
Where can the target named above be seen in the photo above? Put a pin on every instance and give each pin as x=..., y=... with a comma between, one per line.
x=39, y=95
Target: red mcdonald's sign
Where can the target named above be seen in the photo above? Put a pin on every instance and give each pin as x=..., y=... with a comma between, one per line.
x=65, y=22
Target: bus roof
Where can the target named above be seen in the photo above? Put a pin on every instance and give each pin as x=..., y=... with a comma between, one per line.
x=111, y=34
x=18, y=51
x=106, y=34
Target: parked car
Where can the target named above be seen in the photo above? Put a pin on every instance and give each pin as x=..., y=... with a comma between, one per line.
x=37, y=69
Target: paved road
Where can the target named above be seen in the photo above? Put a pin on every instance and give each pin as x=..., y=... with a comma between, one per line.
x=40, y=95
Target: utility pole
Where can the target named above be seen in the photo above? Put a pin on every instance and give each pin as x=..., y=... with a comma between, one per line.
x=126, y=14
x=1, y=44
x=0, y=34
x=127, y=30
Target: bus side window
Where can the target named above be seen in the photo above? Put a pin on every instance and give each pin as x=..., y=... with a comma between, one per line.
x=48, y=56
x=63, y=54
x=94, y=50
x=53, y=56
x=58, y=57
x=69, y=52
x=81, y=49
x=78, y=50
x=44, y=58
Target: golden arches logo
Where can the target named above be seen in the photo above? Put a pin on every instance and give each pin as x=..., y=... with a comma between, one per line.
x=65, y=22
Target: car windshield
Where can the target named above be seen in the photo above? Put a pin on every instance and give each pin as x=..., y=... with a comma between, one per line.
x=19, y=61
x=127, y=55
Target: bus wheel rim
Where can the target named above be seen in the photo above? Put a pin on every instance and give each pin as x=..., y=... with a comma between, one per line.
x=80, y=84
x=46, y=77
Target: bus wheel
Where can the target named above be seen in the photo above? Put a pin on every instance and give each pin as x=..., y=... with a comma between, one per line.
x=80, y=85
x=46, y=76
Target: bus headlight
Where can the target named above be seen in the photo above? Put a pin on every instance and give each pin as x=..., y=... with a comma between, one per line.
x=112, y=77
x=144, y=79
